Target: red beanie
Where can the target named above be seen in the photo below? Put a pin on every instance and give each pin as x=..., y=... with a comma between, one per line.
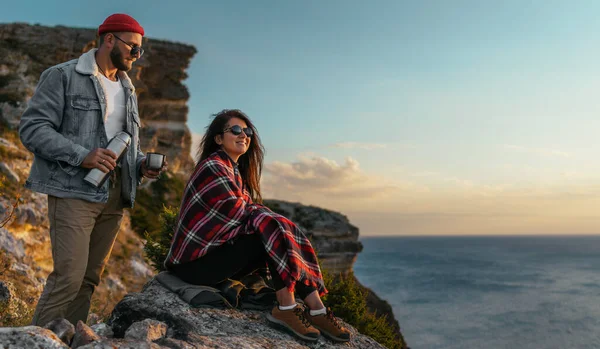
x=120, y=22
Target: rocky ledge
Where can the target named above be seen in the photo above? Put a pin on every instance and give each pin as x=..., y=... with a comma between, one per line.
x=157, y=318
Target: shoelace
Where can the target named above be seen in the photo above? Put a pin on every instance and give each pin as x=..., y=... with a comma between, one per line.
x=300, y=313
x=333, y=319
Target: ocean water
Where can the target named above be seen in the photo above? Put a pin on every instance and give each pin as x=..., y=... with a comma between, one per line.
x=488, y=292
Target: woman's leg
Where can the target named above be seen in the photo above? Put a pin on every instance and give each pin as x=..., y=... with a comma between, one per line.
x=244, y=255
x=317, y=315
x=285, y=298
x=323, y=319
x=313, y=301
x=287, y=247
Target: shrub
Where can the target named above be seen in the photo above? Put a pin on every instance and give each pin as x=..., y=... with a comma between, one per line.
x=348, y=301
x=15, y=310
x=157, y=246
x=150, y=202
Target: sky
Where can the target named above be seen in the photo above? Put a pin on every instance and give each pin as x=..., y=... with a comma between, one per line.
x=410, y=117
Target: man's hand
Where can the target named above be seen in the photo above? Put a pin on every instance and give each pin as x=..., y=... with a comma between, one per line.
x=153, y=174
x=103, y=159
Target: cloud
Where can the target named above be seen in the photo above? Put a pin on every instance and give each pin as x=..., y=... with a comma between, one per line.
x=536, y=151
x=425, y=174
x=358, y=145
x=371, y=146
x=384, y=204
x=318, y=180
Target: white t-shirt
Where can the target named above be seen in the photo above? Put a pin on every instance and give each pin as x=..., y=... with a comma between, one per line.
x=115, y=107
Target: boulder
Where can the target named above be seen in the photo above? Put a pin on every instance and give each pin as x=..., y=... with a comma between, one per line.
x=29, y=337
x=103, y=330
x=146, y=330
x=121, y=344
x=9, y=173
x=210, y=327
x=62, y=328
x=11, y=245
x=84, y=335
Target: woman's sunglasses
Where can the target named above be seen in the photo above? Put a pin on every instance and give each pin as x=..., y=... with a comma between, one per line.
x=134, y=48
x=237, y=130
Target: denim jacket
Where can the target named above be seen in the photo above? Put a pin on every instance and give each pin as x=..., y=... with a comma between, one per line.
x=64, y=122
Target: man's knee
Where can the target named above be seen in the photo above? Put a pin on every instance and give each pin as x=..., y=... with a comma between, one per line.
x=66, y=283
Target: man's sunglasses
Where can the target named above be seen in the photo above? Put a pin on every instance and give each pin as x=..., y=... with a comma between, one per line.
x=134, y=48
x=237, y=130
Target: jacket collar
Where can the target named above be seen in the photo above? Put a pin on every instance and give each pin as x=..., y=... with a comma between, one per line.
x=87, y=65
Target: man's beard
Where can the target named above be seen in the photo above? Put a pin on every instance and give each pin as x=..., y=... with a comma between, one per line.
x=116, y=57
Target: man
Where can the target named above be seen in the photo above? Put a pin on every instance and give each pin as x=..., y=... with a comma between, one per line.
x=77, y=108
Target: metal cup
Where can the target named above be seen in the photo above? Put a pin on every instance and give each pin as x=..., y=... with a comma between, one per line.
x=155, y=161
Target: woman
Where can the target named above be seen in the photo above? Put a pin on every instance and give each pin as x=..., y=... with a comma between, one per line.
x=223, y=231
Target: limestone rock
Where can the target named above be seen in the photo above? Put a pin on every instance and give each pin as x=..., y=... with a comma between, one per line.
x=83, y=335
x=29, y=337
x=9, y=173
x=27, y=214
x=62, y=328
x=5, y=292
x=10, y=244
x=120, y=344
x=209, y=327
x=140, y=269
x=146, y=330
x=103, y=330
x=177, y=344
x=7, y=144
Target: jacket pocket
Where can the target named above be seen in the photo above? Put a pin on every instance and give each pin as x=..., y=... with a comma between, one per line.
x=87, y=114
x=70, y=170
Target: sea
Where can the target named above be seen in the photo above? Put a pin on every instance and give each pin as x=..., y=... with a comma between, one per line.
x=488, y=292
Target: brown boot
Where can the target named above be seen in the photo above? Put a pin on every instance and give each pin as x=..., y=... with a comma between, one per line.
x=295, y=322
x=329, y=326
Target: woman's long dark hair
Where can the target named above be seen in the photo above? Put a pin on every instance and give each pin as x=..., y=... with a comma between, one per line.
x=250, y=163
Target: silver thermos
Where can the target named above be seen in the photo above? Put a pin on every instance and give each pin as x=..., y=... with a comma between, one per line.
x=118, y=144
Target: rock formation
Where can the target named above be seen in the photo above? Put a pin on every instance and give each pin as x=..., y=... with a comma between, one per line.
x=157, y=318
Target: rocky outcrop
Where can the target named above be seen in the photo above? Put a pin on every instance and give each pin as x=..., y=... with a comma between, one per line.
x=331, y=234
x=27, y=50
x=157, y=318
x=210, y=327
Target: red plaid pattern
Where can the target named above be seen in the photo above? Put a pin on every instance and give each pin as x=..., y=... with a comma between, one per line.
x=216, y=208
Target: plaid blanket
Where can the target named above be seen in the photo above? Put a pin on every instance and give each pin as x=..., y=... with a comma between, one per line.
x=216, y=208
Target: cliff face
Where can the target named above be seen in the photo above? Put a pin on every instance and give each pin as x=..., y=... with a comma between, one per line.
x=26, y=51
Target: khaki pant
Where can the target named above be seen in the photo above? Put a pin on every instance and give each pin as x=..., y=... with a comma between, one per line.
x=82, y=236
